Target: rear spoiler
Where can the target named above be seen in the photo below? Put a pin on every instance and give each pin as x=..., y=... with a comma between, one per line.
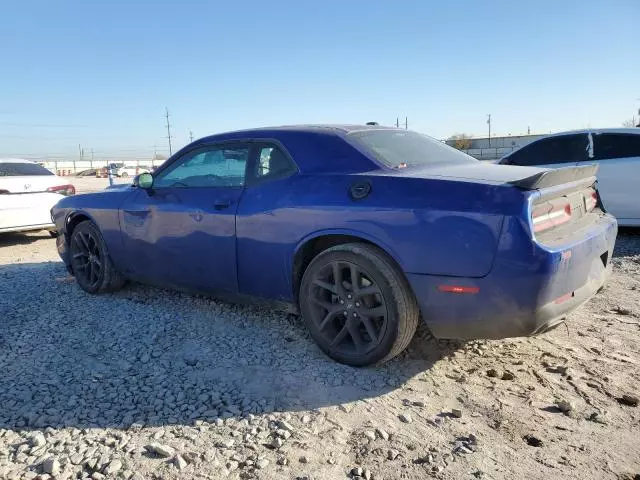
x=551, y=178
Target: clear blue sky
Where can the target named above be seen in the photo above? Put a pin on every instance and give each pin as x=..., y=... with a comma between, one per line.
x=101, y=73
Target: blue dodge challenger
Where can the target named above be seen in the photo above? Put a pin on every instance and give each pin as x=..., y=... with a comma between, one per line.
x=365, y=229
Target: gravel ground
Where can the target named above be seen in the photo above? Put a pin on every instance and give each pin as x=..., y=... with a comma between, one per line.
x=153, y=384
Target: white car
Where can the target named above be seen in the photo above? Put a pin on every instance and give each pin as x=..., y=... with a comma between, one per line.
x=27, y=193
x=616, y=151
x=121, y=170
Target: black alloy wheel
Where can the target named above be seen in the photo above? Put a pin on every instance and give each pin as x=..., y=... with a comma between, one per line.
x=86, y=258
x=90, y=261
x=357, y=305
x=349, y=309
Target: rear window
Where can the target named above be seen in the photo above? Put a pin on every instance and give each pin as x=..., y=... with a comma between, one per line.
x=398, y=149
x=22, y=169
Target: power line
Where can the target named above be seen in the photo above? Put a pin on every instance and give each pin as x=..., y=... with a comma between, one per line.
x=168, y=129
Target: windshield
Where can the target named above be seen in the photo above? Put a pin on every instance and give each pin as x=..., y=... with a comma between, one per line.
x=399, y=149
x=20, y=169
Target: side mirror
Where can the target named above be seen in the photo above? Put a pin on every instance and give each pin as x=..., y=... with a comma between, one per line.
x=144, y=180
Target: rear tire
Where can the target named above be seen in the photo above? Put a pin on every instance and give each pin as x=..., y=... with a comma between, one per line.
x=90, y=261
x=357, y=305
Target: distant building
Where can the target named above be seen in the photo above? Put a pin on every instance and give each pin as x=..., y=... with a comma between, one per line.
x=498, y=147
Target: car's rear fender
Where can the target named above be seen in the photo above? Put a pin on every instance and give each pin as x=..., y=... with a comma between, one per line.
x=443, y=226
x=413, y=222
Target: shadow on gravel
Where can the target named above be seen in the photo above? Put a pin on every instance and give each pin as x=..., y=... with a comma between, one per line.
x=10, y=239
x=146, y=356
x=627, y=243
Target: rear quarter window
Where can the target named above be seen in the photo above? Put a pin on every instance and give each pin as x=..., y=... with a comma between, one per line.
x=18, y=169
x=615, y=145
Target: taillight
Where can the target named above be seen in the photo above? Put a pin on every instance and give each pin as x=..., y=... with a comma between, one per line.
x=63, y=189
x=550, y=214
x=591, y=200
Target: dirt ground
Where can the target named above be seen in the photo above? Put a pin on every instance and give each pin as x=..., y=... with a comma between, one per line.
x=559, y=406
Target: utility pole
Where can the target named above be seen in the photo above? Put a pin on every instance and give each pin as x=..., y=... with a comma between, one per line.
x=190, y=135
x=397, y=122
x=168, y=129
x=80, y=155
x=91, y=165
x=406, y=123
x=489, y=123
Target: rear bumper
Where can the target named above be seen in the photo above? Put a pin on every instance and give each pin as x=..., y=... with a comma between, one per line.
x=523, y=297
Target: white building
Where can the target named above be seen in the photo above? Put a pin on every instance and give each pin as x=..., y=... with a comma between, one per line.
x=497, y=147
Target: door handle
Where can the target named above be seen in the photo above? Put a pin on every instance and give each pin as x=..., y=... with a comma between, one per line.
x=137, y=213
x=222, y=204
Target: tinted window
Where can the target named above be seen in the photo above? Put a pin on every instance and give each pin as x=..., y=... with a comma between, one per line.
x=397, y=148
x=272, y=163
x=215, y=166
x=564, y=149
x=521, y=156
x=616, y=145
x=22, y=169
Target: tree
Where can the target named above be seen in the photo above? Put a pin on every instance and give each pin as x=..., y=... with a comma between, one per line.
x=630, y=122
x=461, y=141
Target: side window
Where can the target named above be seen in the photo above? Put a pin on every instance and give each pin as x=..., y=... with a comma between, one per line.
x=616, y=145
x=213, y=166
x=568, y=148
x=271, y=162
x=562, y=149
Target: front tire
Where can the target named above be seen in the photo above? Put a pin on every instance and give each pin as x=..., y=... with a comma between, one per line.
x=90, y=260
x=357, y=305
